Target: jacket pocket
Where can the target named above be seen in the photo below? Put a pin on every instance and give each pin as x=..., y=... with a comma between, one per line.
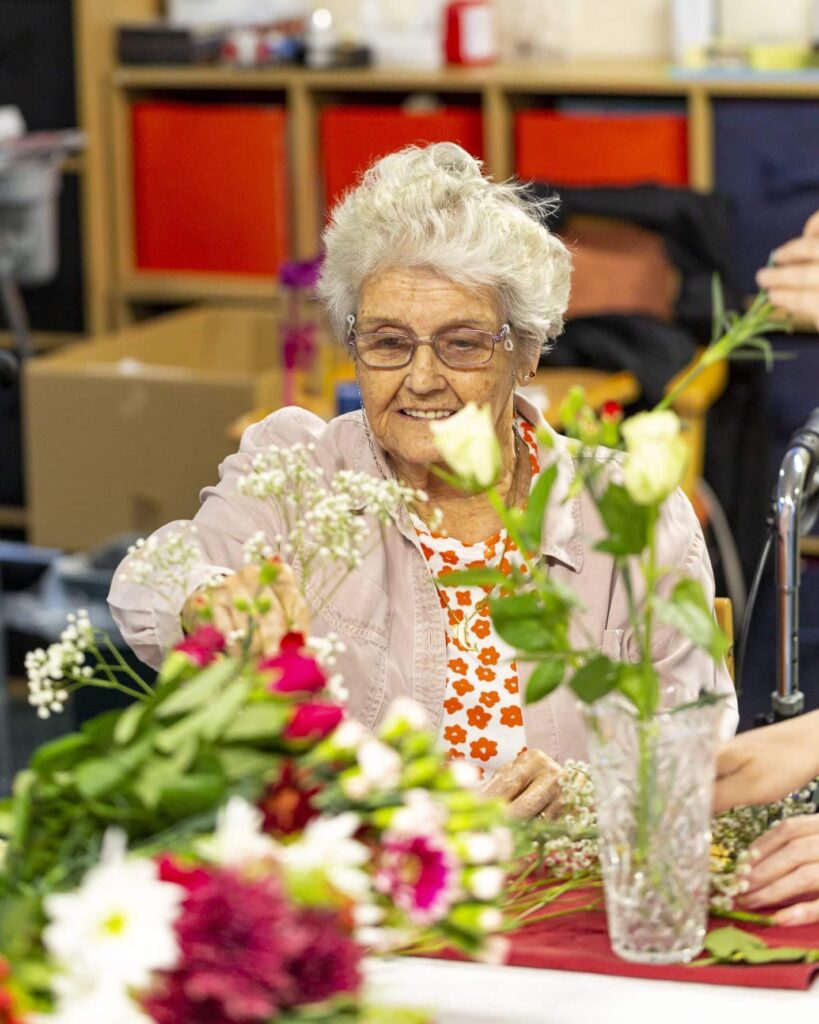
x=357, y=609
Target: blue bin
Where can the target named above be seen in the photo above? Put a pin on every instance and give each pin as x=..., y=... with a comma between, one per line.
x=766, y=159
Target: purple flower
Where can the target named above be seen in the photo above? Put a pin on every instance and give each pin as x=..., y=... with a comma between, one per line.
x=419, y=874
x=300, y=273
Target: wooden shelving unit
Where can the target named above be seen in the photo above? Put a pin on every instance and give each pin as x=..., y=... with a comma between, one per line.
x=115, y=286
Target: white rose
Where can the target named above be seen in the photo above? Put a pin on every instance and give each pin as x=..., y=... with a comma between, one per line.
x=469, y=444
x=656, y=456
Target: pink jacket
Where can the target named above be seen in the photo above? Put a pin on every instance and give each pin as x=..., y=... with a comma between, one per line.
x=388, y=612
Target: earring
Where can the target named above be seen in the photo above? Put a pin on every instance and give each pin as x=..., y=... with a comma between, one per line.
x=525, y=379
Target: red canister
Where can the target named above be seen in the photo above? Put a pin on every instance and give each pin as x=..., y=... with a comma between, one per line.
x=470, y=32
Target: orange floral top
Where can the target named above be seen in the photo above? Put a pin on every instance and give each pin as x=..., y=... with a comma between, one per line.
x=483, y=716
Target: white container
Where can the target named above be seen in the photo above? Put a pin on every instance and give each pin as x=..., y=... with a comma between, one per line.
x=693, y=27
x=232, y=12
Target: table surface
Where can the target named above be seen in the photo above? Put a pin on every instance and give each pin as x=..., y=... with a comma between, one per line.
x=469, y=993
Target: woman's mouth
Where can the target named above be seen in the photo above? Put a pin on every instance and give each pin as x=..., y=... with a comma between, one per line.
x=427, y=414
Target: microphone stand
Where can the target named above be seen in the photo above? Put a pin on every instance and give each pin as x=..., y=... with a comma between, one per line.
x=796, y=502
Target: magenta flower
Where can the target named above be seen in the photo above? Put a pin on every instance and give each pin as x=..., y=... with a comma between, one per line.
x=297, y=673
x=247, y=954
x=419, y=874
x=313, y=721
x=202, y=645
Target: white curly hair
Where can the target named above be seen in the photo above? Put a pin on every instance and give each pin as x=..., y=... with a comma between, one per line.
x=433, y=207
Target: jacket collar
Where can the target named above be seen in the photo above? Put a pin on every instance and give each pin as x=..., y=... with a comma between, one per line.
x=563, y=527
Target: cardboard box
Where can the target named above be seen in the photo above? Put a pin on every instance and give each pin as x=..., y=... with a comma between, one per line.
x=122, y=432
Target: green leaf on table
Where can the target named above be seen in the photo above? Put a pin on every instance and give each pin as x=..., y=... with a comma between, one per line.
x=595, y=679
x=626, y=521
x=198, y=690
x=734, y=946
x=545, y=678
x=531, y=526
x=688, y=612
x=487, y=577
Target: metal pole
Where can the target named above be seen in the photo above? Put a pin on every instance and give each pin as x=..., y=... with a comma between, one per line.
x=787, y=700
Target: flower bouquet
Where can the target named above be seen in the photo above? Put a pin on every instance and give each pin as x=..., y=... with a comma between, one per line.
x=652, y=761
x=229, y=846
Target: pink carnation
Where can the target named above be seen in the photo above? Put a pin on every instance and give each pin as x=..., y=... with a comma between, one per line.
x=297, y=672
x=313, y=721
x=202, y=645
x=419, y=874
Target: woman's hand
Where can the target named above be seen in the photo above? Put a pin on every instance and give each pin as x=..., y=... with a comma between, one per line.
x=766, y=764
x=792, y=283
x=275, y=608
x=786, y=870
x=531, y=784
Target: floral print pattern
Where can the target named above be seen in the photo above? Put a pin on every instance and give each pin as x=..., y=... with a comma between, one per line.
x=483, y=717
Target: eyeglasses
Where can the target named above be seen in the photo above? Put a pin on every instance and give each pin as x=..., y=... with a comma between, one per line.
x=459, y=348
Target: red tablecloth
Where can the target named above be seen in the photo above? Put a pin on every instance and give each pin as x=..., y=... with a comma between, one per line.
x=580, y=942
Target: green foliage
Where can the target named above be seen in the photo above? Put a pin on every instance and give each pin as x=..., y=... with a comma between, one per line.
x=595, y=679
x=688, y=612
x=531, y=527
x=545, y=678
x=165, y=763
x=628, y=523
x=735, y=946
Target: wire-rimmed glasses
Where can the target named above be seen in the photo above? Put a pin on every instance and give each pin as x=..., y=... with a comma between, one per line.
x=460, y=348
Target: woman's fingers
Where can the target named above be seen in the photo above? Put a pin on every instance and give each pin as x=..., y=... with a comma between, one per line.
x=542, y=796
x=804, y=249
x=531, y=784
x=785, y=865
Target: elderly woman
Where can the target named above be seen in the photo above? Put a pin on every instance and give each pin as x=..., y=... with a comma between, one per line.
x=445, y=286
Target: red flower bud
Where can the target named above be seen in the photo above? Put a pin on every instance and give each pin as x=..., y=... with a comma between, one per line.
x=313, y=721
x=297, y=673
x=202, y=645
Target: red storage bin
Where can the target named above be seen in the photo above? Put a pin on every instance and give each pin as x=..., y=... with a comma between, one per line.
x=210, y=188
x=352, y=137
x=602, y=149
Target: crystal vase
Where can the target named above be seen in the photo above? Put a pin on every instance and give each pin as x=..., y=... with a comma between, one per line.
x=654, y=785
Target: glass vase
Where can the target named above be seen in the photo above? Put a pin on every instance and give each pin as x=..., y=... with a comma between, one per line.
x=654, y=785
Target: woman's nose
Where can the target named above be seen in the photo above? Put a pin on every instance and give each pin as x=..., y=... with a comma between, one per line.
x=425, y=372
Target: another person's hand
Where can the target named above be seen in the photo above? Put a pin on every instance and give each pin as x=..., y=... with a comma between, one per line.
x=531, y=784
x=225, y=605
x=792, y=283
x=766, y=764
x=786, y=870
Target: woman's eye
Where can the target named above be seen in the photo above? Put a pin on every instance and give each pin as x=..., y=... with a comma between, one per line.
x=388, y=341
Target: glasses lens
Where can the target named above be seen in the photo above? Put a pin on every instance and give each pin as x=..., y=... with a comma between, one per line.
x=464, y=348
x=384, y=349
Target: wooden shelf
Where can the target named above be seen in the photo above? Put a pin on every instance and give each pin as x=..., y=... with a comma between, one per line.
x=106, y=92
x=171, y=287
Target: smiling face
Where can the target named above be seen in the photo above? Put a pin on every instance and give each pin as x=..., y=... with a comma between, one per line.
x=399, y=403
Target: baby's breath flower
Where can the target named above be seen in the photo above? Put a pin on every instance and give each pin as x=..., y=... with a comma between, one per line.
x=163, y=562
x=257, y=549
x=328, y=519
x=50, y=670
